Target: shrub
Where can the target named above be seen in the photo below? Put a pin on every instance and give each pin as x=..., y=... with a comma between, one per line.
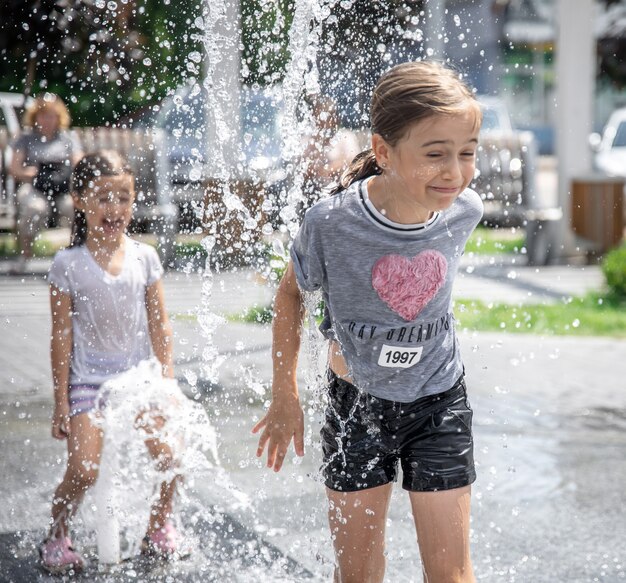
x=614, y=269
x=258, y=315
x=190, y=250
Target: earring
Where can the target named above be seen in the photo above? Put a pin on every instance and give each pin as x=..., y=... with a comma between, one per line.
x=383, y=165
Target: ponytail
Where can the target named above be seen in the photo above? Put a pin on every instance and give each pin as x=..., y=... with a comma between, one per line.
x=79, y=229
x=363, y=165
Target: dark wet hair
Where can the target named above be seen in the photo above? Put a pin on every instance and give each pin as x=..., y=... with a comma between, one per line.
x=404, y=95
x=85, y=173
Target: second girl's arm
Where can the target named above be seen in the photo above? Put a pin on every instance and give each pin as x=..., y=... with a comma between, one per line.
x=284, y=420
x=159, y=327
x=60, y=355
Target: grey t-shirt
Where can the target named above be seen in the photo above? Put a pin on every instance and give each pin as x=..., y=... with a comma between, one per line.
x=109, y=320
x=37, y=150
x=387, y=289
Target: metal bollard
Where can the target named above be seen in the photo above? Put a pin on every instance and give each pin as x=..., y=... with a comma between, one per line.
x=108, y=530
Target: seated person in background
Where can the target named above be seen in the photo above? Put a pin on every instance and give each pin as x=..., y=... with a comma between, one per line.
x=42, y=161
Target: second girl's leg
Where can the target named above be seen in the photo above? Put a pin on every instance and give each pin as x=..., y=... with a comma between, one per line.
x=357, y=525
x=442, y=522
x=162, y=509
x=162, y=454
x=84, y=446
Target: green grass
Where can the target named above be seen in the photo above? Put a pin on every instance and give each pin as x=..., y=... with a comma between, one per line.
x=183, y=316
x=47, y=247
x=484, y=241
x=592, y=315
x=8, y=246
x=41, y=247
x=254, y=315
x=190, y=250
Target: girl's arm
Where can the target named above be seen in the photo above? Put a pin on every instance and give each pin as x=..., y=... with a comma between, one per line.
x=284, y=419
x=60, y=355
x=159, y=327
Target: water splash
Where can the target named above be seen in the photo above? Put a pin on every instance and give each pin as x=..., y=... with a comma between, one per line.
x=141, y=398
x=207, y=319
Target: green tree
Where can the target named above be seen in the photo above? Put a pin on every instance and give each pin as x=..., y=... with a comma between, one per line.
x=612, y=46
x=356, y=36
x=265, y=30
x=359, y=41
x=105, y=58
x=109, y=59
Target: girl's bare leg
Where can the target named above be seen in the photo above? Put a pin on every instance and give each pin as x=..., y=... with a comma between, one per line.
x=442, y=522
x=162, y=509
x=357, y=525
x=151, y=422
x=84, y=446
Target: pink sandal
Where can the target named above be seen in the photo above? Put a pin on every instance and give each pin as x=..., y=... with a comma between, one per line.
x=58, y=556
x=163, y=542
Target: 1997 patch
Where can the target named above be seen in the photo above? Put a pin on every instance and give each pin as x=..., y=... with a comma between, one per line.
x=399, y=356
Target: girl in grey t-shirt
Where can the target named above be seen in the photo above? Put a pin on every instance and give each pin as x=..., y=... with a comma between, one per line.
x=384, y=252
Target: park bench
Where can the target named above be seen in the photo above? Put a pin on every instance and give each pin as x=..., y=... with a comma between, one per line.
x=507, y=166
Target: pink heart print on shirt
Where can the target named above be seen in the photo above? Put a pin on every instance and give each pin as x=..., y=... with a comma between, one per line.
x=407, y=285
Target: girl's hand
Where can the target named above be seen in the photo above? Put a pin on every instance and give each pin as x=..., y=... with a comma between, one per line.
x=283, y=421
x=61, y=421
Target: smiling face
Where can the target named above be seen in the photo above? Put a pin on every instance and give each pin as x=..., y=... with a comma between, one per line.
x=428, y=168
x=108, y=207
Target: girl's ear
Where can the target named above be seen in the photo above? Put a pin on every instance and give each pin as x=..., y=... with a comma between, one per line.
x=77, y=202
x=381, y=150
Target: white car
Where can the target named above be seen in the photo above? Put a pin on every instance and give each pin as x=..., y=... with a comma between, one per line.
x=610, y=148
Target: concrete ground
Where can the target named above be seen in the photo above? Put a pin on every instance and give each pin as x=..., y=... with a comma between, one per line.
x=550, y=421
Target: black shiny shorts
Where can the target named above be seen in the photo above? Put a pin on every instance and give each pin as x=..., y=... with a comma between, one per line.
x=364, y=437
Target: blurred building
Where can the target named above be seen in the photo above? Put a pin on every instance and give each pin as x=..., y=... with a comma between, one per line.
x=528, y=81
x=504, y=47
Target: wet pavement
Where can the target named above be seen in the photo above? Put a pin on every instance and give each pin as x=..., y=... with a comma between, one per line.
x=550, y=430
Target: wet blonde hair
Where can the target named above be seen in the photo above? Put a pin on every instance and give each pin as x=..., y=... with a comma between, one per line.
x=406, y=94
x=47, y=102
